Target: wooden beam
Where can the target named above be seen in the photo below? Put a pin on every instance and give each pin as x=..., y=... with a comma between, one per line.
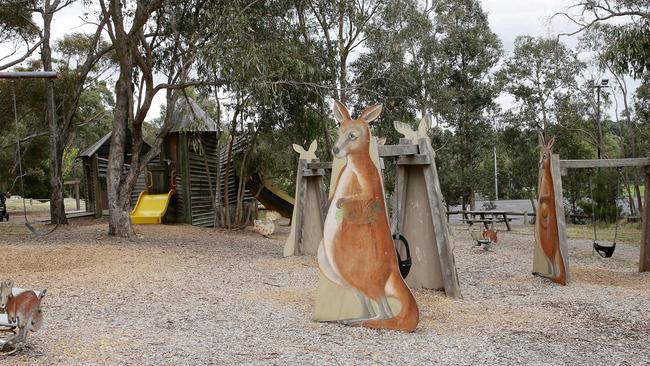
x=604, y=163
x=313, y=172
x=644, y=256
x=327, y=165
x=397, y=150
x=414, y=160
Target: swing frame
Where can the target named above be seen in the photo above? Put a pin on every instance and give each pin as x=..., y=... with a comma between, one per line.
x=644, y=163
x=50, y=76
x=604, y=251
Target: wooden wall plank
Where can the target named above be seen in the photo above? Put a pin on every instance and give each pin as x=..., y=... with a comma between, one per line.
x=96, y=186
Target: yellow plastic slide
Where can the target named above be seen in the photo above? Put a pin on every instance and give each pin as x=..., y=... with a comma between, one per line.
x=151, y=208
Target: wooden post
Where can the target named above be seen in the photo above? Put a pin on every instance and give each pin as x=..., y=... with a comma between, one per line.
x=644, y=256
x=300, y=205
x=443, y=238
x=309, y=211
x=559, y=212
x=525, y=218
x=76, y=194
x=397, y=220
x=97, y=189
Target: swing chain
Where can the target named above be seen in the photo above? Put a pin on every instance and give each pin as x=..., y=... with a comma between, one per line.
x=20, y=169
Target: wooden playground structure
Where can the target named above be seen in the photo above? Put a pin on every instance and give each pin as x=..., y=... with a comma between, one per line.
x=418, y=211
x=641, y=163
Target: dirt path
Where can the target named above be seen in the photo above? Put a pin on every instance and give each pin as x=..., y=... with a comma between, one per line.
x=186, y=295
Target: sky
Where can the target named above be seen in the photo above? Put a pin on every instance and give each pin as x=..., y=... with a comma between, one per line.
x=508, y=19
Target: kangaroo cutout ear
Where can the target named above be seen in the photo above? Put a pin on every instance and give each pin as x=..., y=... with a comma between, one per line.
x=551, y=142
x=341, y=112
x=403, y=129
x=312, y=147
x=371, y=113
x=423, y=127
x=299, y=149
x=541, y=139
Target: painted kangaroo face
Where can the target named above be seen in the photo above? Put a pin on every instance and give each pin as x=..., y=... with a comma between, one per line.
x=5, y=292
x=353, y=134
x=545, y=151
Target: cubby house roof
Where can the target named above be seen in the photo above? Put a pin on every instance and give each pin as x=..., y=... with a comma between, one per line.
x=189, y=117
x=103, y=145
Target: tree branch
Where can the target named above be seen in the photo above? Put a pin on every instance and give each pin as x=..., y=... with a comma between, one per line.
x=23, y=58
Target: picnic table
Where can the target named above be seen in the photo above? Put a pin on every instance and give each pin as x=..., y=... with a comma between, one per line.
x=486, y=217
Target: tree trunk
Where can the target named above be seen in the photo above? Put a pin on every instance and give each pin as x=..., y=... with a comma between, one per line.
x=57, y=208
x=342, y=56
x=120, y=220
x=226, y=193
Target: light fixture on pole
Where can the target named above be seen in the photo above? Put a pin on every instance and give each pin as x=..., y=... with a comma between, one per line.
x=604, y=83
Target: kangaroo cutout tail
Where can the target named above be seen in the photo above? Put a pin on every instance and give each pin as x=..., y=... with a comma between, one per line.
x=409, y=315
x=561, y=278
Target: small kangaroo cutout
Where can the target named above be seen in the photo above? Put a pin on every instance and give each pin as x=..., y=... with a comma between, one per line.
x=23, y=309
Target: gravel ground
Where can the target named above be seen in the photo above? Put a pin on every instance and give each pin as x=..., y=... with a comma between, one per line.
x=186, y=295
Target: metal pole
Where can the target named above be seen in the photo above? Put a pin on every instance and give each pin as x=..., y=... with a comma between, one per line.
x=600, y=131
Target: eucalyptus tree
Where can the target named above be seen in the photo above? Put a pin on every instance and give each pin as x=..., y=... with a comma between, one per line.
x=540, y=71
x=60, y=108
x=628, y=23
x=148, y=37
x=18, y=28
x=467, y=51
x=398, y=66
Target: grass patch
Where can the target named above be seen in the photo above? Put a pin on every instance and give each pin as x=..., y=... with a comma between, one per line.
x=641, y=188
x=15, y=204
x=628, y=233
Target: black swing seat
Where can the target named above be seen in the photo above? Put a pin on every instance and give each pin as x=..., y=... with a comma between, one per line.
x=603, y=250
x=406, y=263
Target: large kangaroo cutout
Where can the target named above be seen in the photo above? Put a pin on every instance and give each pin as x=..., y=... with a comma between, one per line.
x=549, y=258
x=357, y=252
